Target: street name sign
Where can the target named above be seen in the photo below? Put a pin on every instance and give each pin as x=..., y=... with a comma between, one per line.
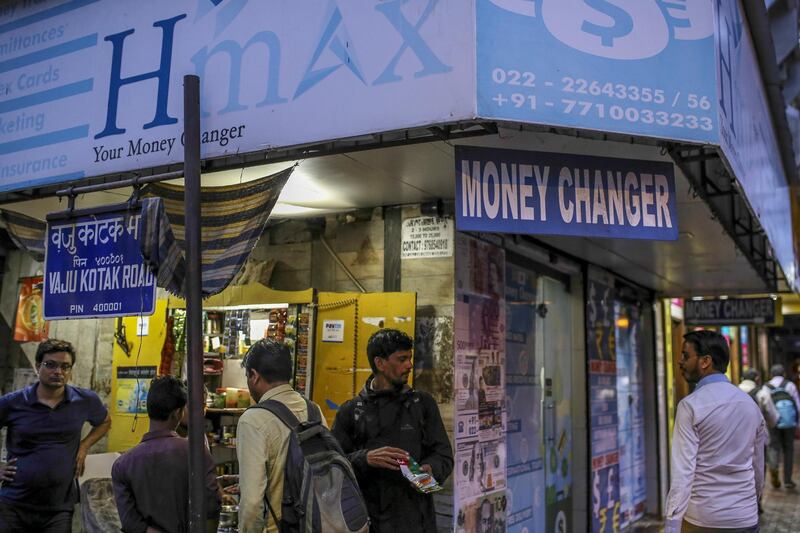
x=94, y=268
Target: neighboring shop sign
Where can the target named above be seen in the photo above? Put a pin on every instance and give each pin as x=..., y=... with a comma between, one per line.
x=427, y=237
x=732, y=311
x=90, y=87
x=599, y=65
x=30, y=325
x=133, y=383
x=514, y=191
x=94, y=268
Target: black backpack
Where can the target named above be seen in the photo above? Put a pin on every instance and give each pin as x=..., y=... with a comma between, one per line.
x=320, y=491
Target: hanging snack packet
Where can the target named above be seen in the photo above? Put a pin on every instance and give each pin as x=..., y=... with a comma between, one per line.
x=422, y=481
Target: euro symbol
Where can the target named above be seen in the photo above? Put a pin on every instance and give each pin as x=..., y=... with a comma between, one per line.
x=623, y=22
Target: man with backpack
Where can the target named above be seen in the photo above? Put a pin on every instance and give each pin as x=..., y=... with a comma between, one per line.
x=751, y=386
x=288, y=459
x=389, y=423
x=787, y=403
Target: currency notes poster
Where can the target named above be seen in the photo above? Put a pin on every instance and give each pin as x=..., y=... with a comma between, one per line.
x=480, y=370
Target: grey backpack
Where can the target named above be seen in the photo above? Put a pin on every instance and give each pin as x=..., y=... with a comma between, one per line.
x=320, y=491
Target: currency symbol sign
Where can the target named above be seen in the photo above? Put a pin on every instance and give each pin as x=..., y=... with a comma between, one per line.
x=623, y=23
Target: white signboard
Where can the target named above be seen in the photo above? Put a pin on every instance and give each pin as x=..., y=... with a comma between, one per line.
x=89, y=87
x=333, y=331
x=425, y=237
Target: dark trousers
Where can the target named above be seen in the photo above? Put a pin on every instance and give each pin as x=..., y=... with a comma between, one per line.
x=781, y=440
x=687, y=527
x=14, y=519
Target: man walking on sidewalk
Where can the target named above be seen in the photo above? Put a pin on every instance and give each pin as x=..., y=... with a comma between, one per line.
x=717, y=446
x=787, y=403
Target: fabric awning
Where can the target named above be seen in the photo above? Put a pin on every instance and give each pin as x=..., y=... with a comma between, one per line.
x=233, y=219
x=27, y=233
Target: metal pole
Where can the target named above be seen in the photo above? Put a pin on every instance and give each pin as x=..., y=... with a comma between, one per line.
x=194, y=302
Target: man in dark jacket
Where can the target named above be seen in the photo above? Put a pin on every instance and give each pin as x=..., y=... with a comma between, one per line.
x=386, y=423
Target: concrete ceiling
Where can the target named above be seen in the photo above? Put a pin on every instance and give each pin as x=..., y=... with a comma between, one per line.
x=704, y=260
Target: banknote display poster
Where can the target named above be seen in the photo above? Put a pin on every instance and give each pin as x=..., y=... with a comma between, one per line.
x=480, y=388
x=609, y=65
x=630, y=413
x=603, y=406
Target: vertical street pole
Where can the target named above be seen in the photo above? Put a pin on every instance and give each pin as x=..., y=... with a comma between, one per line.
x=194, y=302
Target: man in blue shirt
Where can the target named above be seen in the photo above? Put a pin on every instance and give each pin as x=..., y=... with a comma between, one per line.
x=45, y=452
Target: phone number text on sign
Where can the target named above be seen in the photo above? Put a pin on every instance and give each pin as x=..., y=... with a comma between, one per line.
x=579, y=97
x=636, y=67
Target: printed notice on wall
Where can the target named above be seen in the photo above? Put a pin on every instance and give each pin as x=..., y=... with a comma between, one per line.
x=426, y=237
x=333, y=331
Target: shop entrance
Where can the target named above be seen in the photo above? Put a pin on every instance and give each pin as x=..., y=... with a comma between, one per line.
x=538, y=394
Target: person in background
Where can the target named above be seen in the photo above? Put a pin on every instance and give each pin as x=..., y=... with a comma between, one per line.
x=45, y=452
x=383, y=425
x=787, y=403
x=751, y=385
x=151, y=480
x=717, y=446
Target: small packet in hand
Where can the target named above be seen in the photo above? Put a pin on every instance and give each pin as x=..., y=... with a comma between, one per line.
x=422, y=481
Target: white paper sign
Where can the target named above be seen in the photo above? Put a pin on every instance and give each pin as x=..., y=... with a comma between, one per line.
x=333, y=331
x=142, y=326
x=426, y=237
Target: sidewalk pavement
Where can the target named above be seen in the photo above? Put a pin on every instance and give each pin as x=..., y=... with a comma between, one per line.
x=781, y=507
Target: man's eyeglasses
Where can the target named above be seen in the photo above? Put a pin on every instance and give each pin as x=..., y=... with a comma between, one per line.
x=52, y=365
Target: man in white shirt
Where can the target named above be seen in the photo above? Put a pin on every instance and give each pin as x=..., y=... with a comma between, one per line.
x=751, y=385
x=717, y=446
x=781, y=437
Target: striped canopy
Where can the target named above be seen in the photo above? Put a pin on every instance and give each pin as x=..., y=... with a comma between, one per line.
x=233, y=219
x=26, y=232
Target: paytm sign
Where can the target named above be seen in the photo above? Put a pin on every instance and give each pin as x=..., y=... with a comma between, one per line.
x=90, y=87
x=511, y=191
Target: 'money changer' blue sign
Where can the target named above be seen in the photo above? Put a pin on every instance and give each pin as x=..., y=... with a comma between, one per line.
x=94, y=268
x=513, y=191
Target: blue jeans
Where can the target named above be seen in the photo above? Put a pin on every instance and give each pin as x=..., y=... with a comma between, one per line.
x=14, y=519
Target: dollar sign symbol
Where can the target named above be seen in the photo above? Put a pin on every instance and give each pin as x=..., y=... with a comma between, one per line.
x=596, y=494
x=623, y=23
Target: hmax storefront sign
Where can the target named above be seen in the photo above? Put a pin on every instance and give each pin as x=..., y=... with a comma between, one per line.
x=512, y=191
x=94, y=268
x=732, y=311
x=89, y=87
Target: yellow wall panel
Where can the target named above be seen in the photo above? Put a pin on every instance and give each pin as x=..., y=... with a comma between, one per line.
x=126, y=428
x=341, y=368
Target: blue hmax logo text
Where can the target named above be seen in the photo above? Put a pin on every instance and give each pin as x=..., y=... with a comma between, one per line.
x=334, y=38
